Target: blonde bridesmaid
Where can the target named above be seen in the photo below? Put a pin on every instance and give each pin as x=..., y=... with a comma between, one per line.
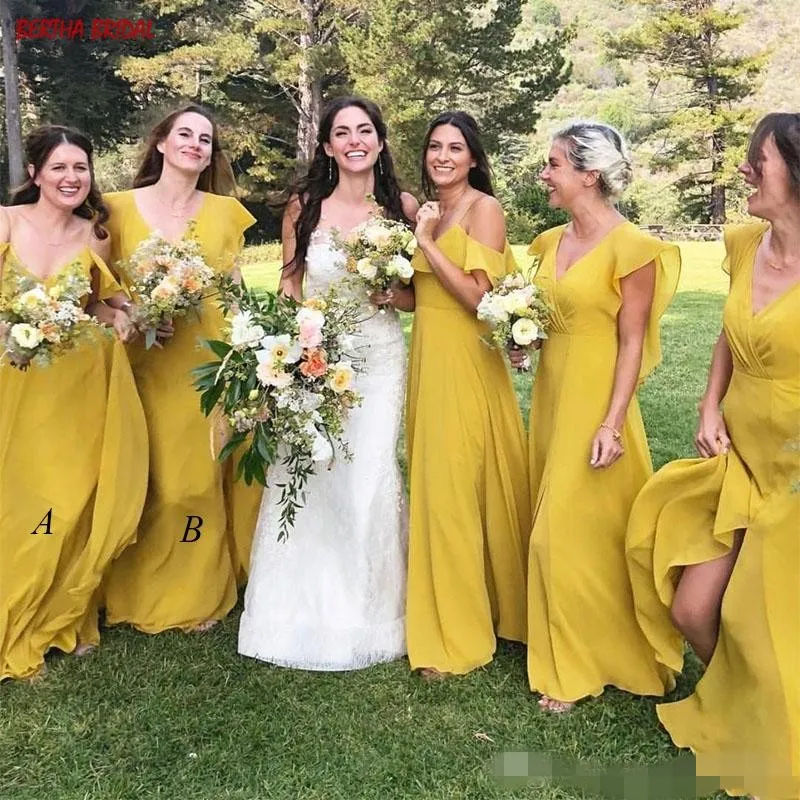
x=714, y=543
x=194, y=539
x=73, y=441
x=608, y=285
x=469, y=517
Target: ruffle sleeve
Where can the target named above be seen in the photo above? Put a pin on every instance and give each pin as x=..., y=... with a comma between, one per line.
x=737, y=238
x=634, y=251
x=470, y=255
x=495, y=264
x=237, y=220
x=108, y=285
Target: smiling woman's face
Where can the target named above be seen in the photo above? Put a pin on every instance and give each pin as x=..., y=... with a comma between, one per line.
x=354, y=142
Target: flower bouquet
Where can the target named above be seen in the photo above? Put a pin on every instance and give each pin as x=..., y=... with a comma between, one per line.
x=377, y=253
x=169, y=280
x=515, y=312
x=40, y=322
x=283, y=384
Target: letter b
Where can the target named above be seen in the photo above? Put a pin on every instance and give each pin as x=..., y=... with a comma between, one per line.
x=193, y=524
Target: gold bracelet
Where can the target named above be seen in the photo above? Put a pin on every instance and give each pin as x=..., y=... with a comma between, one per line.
x=617, y=436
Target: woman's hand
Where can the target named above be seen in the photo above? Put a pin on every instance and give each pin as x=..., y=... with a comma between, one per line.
x=606, y=447
x=519, y=357
x=124, y=326
x=164, y=331
x=712, y=433
x=383, y=299
x=428, y=218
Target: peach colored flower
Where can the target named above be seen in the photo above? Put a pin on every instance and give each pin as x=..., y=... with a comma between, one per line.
x=315, y=363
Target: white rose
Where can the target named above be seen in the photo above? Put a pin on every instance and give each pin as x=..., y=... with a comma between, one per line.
x=26, y=335
x=524, y=331
x=366, y=269
x=402, y=268
x=377, y=236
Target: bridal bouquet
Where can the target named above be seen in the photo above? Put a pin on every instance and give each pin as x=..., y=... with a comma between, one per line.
x=39, y=322
x=377, y=253
x=168, y=279
x=283, y=384
x=515, y=312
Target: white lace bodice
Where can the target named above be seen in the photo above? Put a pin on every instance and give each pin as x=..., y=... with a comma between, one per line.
x=380, y=342
x=332, y=597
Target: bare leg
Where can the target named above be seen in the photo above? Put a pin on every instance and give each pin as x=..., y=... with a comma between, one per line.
x=698, y=600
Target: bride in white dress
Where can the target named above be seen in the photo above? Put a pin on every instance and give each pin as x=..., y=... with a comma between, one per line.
x=332, y=596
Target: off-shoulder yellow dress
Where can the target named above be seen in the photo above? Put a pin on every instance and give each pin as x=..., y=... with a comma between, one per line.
x=194, y=539
x=743, y=720
x=469, y=505
x=73, y=461
x=582, y=630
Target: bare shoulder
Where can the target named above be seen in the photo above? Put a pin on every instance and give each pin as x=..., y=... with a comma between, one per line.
x=486, y=222
x=100, y=246
x=5, y=224
x=409, y=204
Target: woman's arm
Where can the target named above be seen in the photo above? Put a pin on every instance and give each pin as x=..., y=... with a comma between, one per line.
x=488, y=228
x=291, y=283
x=712, y=434
x=114, y=311
x=638, y=290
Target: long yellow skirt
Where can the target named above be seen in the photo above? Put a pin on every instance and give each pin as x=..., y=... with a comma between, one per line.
x=193, y=545
x=73, y=448
x=469, y=515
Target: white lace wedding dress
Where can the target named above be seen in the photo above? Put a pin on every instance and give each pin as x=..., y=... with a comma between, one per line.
x=332, y=596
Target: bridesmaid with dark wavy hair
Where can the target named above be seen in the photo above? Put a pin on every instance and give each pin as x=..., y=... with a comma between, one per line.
x=468, y=475
x=73, y=442
x=194, y=538
x=332, y=596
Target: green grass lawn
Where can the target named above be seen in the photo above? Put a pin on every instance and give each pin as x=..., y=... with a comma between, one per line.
x=180, y=717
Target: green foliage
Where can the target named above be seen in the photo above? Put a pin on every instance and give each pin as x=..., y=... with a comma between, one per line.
x=74, y=81
x=698, y=88
x=416, y=59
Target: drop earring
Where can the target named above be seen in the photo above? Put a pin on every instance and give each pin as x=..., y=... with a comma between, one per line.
x=330, y=170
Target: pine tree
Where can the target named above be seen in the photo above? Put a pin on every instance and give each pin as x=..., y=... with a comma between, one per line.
x=698, y=86
x=417, y=58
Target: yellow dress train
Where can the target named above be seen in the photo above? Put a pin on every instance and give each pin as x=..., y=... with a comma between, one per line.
x=582, y=630
x=73, y=450
x=743, y=720
x=194, y=540
x=469, y=510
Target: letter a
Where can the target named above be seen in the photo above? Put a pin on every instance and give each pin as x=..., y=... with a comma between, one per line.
x=192, y=526
x=46, y=521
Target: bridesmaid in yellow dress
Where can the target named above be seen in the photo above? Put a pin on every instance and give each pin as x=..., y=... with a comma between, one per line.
x=73, y=441
x=714, y=543
x=194, y=538
x=469, y=515
x=608, y=285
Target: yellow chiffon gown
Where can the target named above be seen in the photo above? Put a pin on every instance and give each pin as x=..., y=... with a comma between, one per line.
x=469, y=505
x=743, y=720
x=73, y=455
x=582, y=630
x=194, y=540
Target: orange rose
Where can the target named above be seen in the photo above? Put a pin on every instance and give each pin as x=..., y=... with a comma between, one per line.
x=314, y=364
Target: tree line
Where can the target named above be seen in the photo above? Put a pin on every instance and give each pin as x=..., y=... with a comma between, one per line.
x=265, y=68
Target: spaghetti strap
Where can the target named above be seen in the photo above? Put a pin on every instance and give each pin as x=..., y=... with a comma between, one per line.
x=470, y=207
